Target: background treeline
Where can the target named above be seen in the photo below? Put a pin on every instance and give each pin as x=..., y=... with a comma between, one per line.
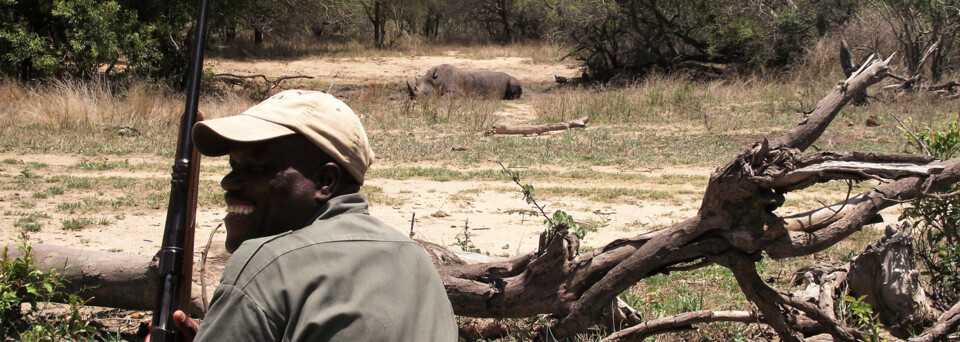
x=619, y=39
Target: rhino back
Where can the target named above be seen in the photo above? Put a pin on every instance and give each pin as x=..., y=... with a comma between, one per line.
x=488, y=82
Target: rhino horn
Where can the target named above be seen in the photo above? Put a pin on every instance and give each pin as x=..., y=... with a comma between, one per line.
x=410, y=90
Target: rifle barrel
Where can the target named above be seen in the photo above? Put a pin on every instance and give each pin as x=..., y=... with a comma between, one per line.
x=176, y=253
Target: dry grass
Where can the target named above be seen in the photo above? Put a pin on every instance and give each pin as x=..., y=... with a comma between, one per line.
x=83, y=117
x=297, y=47
x=77, y=106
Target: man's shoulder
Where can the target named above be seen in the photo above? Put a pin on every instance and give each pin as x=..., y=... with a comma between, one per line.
x=348, y=234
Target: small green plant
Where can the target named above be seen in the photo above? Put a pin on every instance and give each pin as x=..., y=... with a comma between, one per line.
x=862, y=315
x=70, y=207
x=76, y=224
x=559, y=218
x=88, y=165
x=24, y=292
x=28, y=223
x=463, y=239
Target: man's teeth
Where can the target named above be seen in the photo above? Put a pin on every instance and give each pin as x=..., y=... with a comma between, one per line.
x=239, y=210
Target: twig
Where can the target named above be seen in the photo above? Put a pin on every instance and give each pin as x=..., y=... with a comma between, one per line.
x=682, y=321
x=703, y=263
x=273, y=84
x=914, y=136
x=203, y=269
x=413, y=219
x=943, y=196
x=849, y=190
x=516, y=179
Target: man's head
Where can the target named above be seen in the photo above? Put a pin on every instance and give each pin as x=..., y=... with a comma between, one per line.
x=289, y=155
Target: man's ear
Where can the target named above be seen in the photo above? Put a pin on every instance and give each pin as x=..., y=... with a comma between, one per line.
x=329, y=177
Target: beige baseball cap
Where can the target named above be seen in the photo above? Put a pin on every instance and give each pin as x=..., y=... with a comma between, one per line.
x=320, y=117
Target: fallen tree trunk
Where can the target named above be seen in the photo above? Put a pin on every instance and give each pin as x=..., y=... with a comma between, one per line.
x=114, y=280
x=539, y=129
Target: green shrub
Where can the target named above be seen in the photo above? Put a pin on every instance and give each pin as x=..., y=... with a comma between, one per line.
x=40, y=39
x=938, y=243
x=24, y=291
x=634, y=37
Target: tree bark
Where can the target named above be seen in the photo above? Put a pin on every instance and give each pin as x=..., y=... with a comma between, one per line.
x=107, y=279
x=886, y=274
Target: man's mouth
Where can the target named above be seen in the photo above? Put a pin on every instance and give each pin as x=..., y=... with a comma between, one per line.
x=237, y=209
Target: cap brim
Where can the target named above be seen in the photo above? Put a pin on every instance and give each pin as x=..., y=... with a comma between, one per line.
x=214, y=137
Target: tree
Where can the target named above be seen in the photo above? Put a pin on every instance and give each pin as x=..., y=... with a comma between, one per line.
x=634, y=37
x=40, y=39
x=380, y=12
x=924, y=30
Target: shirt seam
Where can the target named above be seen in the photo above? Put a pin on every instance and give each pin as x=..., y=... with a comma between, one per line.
x=274, y=260
x=257, y=305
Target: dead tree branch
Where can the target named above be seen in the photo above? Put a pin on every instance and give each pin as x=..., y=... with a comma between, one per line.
x=684, y=321
x=539, y=129
x=233, y=79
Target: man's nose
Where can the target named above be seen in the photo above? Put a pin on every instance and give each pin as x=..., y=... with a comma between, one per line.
x=231, y=181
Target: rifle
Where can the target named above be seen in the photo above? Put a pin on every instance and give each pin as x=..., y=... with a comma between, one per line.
x=176, y=252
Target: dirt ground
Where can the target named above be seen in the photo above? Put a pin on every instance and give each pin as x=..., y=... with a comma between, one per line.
x=360, y=70
x=499, y=221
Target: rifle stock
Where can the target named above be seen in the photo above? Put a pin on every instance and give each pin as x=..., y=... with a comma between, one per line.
x=176, y=252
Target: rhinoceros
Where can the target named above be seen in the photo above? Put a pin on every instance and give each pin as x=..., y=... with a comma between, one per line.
x=449, y=81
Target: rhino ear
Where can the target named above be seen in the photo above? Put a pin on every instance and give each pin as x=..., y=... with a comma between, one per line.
x=435, y=71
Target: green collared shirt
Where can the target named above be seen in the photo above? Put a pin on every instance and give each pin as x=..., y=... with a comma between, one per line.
x=346, y=277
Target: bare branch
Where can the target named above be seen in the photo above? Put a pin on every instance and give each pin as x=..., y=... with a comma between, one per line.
x=682, y=321
x=809, y=130
x=948, y=322
x=885, y=195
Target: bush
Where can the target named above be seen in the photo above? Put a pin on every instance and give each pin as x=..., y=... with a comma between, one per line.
x=635, y=37
x=24, y=291
x=938, y=244
x=80, y=38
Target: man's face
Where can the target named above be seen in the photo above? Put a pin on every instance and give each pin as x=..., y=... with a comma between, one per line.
x=274, y=186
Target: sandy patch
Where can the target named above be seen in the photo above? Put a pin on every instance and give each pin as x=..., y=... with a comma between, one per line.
x=356, y=70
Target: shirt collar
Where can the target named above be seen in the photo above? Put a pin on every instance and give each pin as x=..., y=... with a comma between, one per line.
x=354, y=203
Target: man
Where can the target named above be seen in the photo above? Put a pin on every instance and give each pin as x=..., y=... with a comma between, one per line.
x=309, y=263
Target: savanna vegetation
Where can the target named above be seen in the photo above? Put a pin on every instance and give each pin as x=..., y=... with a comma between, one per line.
x=665, y=83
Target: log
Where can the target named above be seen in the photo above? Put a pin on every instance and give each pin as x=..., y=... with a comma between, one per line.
x=538, y=129
x=117, y=280
x=886, y=274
